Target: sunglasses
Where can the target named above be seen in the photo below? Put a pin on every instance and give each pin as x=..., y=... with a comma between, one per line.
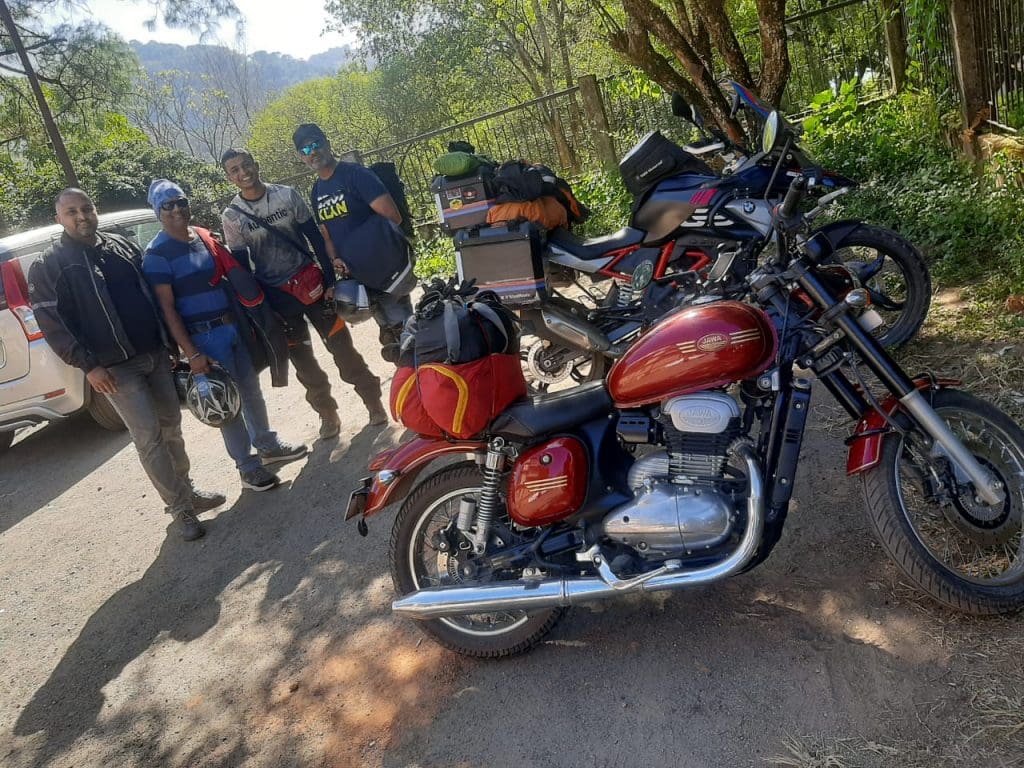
x=170, y=205
x=310, y=148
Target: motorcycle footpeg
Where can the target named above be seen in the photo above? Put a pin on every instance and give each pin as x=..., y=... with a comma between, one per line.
x=607, y=575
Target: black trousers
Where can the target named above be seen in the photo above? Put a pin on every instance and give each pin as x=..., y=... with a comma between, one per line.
x=338, y=340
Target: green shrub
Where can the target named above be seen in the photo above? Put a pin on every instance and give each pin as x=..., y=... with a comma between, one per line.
x=965, y=220
x=609, y=203
x=435, y=256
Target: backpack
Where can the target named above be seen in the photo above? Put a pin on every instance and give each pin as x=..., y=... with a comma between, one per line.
x=517, y=181
x=459, y=365
x=388, y=175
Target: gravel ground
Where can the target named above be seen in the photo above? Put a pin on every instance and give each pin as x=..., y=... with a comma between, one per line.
x=269, y=642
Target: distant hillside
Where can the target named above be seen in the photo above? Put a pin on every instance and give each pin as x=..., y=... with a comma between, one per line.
x=276, y=70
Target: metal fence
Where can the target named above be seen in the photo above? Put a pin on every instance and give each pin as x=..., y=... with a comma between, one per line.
x=999, y=39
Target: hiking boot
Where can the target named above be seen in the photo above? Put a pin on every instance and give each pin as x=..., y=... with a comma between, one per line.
x=189, y=525
x=260, y=479
x=203, y=501
x=283, y=452
x=378, y=414
x=330, y=425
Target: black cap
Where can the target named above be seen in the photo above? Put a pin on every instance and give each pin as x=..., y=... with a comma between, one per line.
x=306, y=133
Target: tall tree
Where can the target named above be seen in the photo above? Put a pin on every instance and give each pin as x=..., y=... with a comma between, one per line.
x=682, y=45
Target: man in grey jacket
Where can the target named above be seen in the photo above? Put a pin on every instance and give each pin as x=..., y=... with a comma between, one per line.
x=98, y=314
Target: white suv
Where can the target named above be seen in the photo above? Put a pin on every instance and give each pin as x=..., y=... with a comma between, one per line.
x=35, y=384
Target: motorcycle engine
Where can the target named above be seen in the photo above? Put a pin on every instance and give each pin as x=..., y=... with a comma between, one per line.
x=679, y=507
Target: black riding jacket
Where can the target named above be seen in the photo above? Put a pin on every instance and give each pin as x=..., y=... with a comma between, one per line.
x=74, y=309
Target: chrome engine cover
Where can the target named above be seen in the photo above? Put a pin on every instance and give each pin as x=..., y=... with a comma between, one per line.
x=664, y=519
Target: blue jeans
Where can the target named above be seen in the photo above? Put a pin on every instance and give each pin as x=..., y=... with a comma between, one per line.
x=224, y=345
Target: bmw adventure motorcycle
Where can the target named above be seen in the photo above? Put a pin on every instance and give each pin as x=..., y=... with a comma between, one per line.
x=695, y=233
x=678, y=470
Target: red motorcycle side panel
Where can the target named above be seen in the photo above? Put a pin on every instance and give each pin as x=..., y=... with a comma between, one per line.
x=701, y=347
x=549, y=482
x=407, y=461
x=866, y=449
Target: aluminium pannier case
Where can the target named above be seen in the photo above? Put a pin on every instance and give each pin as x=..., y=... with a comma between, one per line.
x=463, y=201
x=508, y=260
x=655, y=158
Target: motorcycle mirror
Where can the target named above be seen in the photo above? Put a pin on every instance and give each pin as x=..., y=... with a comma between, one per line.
x=680, y=107
x=642, y=276
x=772, y=133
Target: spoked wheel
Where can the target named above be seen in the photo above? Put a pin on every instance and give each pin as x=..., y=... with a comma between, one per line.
x=960, y=550
x=418, y=562
x=549, y=367
x=896, y=277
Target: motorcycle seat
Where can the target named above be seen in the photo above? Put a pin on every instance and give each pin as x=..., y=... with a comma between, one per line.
x=546, y=414
x=596, y=247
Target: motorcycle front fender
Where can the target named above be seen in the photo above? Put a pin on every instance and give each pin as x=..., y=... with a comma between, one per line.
x=837, y=231
x=866, y=441
x=395, y=471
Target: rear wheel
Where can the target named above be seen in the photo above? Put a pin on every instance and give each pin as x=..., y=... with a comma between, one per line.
x=103, y=413
x=418, y=563
x=6, y=438
x=896, y=277
x=959, y=550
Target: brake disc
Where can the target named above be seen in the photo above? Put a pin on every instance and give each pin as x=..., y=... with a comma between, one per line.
x=548, y=364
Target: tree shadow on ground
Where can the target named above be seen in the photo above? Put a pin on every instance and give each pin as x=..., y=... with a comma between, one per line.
x=283, y=538
x=44, y=464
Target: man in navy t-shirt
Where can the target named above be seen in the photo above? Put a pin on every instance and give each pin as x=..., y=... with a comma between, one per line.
x=359, y=221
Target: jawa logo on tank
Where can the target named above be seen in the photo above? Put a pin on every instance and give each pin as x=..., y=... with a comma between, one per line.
x=712, y=342
x=547, y=484
x=716, y=342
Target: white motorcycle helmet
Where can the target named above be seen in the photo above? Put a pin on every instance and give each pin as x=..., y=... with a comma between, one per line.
x=213, y=397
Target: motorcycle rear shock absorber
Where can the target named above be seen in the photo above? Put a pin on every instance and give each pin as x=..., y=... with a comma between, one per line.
x=487, y=502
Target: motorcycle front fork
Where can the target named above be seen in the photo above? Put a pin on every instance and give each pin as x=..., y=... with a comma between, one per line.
x=988, y=488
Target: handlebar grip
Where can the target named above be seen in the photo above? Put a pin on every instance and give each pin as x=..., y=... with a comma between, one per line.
x=793, y=197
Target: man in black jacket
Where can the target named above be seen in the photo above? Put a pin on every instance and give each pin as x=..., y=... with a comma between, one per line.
x=98, y=314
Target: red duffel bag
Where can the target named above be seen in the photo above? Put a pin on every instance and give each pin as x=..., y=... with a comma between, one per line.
x=460, y=363
x=440, y=399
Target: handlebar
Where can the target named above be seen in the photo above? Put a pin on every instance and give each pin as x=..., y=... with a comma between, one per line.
x=793, y=197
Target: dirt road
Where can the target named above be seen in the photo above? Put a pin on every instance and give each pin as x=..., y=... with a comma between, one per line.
x=269, y=643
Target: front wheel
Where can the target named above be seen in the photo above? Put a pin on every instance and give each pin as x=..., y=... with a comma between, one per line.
x=896, y=277
x=418, y=563
x=961, y=551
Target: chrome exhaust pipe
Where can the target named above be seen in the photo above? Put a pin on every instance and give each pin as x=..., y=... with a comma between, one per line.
x=535, y=595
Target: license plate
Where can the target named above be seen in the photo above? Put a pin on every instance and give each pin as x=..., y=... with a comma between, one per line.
x=357, y=499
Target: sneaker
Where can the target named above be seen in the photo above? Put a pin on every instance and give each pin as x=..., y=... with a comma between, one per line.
x=283, y=452
x=203, y=501
x=330, y=425
x=260, y=479
x=189, y=525
x=378, y=414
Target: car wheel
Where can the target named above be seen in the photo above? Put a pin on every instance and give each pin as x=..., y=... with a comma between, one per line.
x=6, y=438
x=103, y=413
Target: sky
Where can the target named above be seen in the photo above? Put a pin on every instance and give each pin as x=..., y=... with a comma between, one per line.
x=293, y=27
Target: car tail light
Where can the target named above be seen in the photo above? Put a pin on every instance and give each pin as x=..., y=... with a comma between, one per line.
x=16, y=293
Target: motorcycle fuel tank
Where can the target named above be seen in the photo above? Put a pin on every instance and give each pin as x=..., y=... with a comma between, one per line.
x=549, y=482
x=701, y=347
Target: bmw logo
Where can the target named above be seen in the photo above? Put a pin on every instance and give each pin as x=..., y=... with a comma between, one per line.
x=748, y=207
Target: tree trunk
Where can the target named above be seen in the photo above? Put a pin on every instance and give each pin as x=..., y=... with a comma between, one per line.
x=973, y=103
x=775, y=66
x=56, y=140
x=895, y=43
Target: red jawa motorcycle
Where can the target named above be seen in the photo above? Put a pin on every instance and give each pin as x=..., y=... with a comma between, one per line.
x=678, y=469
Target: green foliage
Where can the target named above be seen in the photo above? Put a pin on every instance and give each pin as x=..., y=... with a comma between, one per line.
x=115, y=165
x=608, y=200
x=966, y=222
x=435, y=256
